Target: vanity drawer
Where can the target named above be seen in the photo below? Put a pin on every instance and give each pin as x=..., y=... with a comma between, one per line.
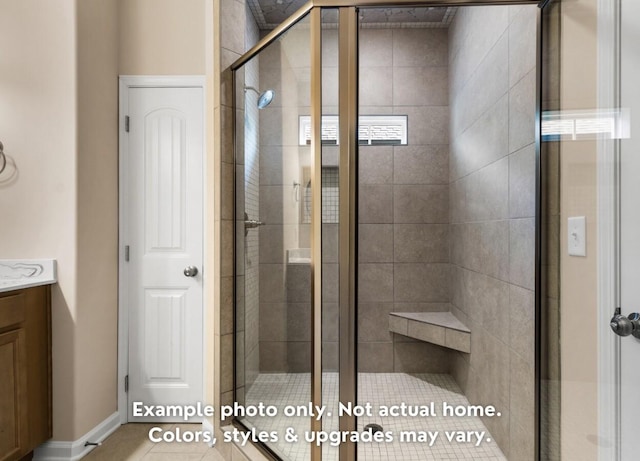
x=12, y=310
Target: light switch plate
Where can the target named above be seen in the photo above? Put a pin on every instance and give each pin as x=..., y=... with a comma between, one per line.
x=577, y=236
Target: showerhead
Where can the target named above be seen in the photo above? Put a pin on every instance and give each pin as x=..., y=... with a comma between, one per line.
x=264, y=98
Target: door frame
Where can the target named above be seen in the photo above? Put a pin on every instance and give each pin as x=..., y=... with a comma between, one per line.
x=608, y=193
x=126, y=82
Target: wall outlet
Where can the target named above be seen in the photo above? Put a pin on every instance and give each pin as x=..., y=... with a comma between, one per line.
x=577, y=236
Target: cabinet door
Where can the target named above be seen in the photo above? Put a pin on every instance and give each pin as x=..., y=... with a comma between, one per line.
x=13, y=410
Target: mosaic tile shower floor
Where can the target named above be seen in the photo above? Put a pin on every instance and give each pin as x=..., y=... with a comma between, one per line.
x=283, y=389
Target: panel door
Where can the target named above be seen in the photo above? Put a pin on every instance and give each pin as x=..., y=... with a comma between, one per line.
x=165, y=195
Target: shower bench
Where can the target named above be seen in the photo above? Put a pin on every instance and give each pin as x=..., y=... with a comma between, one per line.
x=441, y=328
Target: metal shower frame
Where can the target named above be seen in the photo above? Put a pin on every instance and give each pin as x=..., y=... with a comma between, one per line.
x=348, y=27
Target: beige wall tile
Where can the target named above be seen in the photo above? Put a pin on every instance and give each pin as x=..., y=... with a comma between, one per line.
x=522, y=50
x=330, y=283
x=486, y=300
x=426, y=332
x=522, y=174
x=231, y=36
x=420, y=86
x=375, y=243
x=522, y=329
x=522, y=391
x=273, y=356
x=398, y=325
x=484, y=142
x=487, y=85
x=273, y=322
x=271, y=250
x=376, y=48
x=299, y=356
x=421, y=164
x=375, y=357
x=487, y=192
x=378, y=88
x=458, y=340
x=226, y=363
x=372, y=318
x=421, y=204
x=428, y=243
x=376, y=165
x=522, y=100
x=272, y=283
x=330, y=325
x=375, y=204
x=427, y=125
x=522, y=252
x=330, y=247
x=418, y=282
x=298, y=321
x=486, y=249
x=375, y=282
x=421, y=357
x=420, y=47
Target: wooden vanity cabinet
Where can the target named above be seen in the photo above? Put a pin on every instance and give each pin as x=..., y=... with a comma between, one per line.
x=25, y=371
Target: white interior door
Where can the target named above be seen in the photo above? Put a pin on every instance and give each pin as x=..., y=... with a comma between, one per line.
x=165, y=220
x=630, y=228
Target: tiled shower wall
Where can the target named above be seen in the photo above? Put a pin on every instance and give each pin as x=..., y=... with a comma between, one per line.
x=251, y=173
x=404, y=197
x=492, y=189
x=404, y=217
x=231, y=20
x=284, y=326
x=237, y=33
x=417, y=199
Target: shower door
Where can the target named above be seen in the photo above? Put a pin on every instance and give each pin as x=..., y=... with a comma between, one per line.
x=287, y=217
x=590, y=226
x=273, y=276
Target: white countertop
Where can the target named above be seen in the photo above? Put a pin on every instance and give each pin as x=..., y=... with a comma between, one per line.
x=16, y=274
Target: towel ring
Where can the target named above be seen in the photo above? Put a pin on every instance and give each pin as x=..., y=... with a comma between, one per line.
x=3, y=158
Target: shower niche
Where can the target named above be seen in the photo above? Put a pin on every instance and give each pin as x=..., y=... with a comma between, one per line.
x=396, y=196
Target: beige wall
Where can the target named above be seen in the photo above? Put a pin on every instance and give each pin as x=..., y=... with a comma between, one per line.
x=95, y=329
x=59, y=87
x=162, y=37
x=38, y=209
x=578, y=90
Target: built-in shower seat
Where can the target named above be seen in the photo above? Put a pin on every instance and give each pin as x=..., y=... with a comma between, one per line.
x=441, y=328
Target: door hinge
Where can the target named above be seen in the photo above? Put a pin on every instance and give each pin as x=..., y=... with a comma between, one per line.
x=126, y=383
x=126, y=253
x=126, y=123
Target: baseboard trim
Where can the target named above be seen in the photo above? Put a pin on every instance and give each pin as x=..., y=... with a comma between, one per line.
x=207, y=426
x=73, y=451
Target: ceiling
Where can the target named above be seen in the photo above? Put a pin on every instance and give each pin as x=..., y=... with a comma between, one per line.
x=269, y=13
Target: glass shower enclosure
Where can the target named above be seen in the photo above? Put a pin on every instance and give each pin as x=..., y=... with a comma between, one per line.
x=342, y=164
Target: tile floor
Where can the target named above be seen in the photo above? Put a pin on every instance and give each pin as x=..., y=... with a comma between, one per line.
x=282, y=389
x=131, y=443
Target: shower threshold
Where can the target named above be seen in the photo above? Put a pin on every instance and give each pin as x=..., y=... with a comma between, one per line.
x=414, y=438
